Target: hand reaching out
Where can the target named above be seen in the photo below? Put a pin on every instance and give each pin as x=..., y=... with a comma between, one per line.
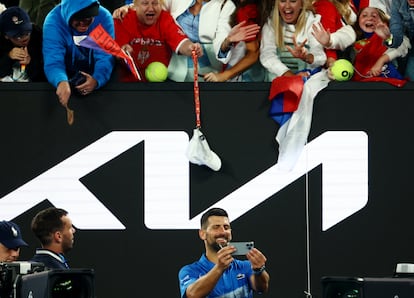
x=214, y=77
x=197, y=48
x=240, y=32
x=383, y=31
x=299, y=50
x=120, y=12
x=63, y=93
x=321, y=35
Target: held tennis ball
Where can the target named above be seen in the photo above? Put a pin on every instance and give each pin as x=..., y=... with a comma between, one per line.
x=156, y=72
x=342, y=70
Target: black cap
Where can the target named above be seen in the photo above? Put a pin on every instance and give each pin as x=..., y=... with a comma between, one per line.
x=90, y=11
x=14, y=21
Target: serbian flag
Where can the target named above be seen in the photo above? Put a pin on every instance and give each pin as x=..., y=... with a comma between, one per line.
x=285, y=94
x=99, y=39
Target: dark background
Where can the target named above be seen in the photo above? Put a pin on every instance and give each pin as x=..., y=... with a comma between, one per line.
x=142, y=262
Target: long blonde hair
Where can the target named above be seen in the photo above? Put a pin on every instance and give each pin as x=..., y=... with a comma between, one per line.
x=343, y=7
x=277, y=21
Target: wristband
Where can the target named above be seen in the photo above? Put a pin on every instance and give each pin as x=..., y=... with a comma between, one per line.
x=388, y=41
x=259, y=271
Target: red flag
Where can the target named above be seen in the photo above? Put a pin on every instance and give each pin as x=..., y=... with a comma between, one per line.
x=105, y=42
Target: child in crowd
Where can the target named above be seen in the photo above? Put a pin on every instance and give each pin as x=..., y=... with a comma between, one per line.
x=371, y=58
x=21, y=58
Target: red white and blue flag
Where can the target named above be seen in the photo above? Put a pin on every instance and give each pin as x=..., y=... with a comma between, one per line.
x=285, y=93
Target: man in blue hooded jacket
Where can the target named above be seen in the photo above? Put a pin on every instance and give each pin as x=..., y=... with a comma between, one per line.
x=68, y=64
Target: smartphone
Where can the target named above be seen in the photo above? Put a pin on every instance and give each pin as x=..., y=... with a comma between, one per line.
x=242, y=247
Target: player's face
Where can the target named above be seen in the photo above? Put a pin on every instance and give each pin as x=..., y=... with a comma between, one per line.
x=148, y=11
x=218, y=232
x=410, y=2
x=289, y=10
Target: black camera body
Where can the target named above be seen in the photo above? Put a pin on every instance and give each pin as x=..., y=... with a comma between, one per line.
x=32, y=279
x=10, y=272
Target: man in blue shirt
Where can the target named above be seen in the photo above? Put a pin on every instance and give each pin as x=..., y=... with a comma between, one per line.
x=217, y=273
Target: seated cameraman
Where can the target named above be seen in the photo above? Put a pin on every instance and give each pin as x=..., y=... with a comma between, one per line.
x=10, y=241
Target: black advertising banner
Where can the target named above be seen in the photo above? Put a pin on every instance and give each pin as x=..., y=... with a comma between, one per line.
x=122, y=172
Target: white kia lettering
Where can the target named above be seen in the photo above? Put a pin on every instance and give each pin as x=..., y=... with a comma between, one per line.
x=343, y=155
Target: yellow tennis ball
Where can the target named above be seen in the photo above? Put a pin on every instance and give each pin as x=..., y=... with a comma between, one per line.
x=342, y=70
x=156, y=72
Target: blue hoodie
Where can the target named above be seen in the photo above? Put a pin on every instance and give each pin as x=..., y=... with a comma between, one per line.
x=62, y=57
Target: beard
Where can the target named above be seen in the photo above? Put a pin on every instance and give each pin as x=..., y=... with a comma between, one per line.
x=216, y=246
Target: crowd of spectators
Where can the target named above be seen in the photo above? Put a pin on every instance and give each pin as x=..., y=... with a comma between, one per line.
x=236, y=40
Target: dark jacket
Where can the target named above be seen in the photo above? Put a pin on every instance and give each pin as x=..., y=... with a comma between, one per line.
x=35, y=68
x=50, y=259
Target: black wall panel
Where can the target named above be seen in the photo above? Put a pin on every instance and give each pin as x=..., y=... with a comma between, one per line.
x=139, y=261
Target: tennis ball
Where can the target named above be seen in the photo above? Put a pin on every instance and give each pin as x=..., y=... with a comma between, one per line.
x=342, y=70
x=156, y=72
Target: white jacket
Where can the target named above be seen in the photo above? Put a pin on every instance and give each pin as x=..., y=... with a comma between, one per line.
x=343, y=38
x=268, y=49
x=214, y=27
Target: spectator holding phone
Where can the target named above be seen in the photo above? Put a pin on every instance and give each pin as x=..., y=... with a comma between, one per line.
x=217, y=273
x=64, y=59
